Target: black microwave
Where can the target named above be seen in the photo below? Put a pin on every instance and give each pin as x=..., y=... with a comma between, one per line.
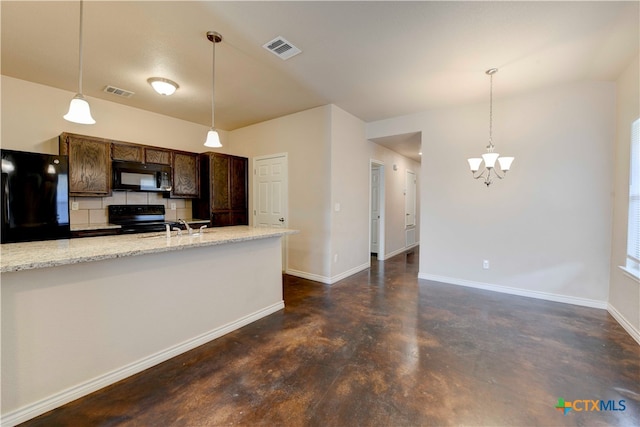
x=134, y=176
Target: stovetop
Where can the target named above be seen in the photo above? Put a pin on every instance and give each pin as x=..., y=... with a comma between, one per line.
x=139, y=218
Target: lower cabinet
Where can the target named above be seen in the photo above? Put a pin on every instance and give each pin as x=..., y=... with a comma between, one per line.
x=224, y=190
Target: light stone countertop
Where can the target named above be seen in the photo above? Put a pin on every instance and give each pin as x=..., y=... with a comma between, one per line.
x=50, y=253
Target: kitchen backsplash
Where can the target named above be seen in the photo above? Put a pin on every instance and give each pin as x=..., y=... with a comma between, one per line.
x=93, y=210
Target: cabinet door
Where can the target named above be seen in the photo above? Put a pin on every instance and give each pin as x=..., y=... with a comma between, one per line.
x=238, y=183
x=130, y=153
x=89, y=165
x=186, y=174
x=220, y=182
x=158, y=156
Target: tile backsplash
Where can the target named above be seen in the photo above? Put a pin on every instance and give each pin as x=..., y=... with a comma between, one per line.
x=93, y=210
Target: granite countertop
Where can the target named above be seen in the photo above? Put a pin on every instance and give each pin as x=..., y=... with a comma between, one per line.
x=50, y=253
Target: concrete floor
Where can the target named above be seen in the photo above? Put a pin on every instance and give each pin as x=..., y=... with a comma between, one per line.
x=382, y=348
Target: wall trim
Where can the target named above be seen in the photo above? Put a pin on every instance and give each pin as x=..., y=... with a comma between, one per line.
x=399, y=251
x=329, y=280
x=585, y=302
x=32, y=410
x=626, y=325
x=309, y=276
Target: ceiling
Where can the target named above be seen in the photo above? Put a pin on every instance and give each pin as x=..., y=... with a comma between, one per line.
x=376, y=60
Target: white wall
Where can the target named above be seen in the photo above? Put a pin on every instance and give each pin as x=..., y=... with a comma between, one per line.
x=349, y=190
x=545, y=228
x=305, y=136
x=31, y=120
x=624, y=291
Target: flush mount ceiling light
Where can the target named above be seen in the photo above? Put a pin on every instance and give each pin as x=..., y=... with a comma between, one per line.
x=163, y=86
x=79, y=111
x=490, y=157
x=213, y=139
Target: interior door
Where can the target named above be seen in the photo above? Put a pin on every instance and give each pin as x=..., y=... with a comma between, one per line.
x=410, y=199
x=271, y=183
x=375, y=209
x=270, y=201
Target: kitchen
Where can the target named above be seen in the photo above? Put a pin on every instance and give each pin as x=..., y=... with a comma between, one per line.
x=328, y=146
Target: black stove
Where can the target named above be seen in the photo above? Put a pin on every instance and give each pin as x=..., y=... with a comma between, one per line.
x=139, y=218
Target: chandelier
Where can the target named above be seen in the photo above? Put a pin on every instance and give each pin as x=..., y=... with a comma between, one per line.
x=489, y=158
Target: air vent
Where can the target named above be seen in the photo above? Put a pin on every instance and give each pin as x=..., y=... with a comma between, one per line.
x=281, y=48
x=118, y=92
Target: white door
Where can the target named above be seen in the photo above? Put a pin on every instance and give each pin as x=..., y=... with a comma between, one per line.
x=410, y=199
x=375, y=209
x=270, y=200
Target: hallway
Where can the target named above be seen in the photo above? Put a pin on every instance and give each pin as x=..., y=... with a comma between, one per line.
x=382, y=348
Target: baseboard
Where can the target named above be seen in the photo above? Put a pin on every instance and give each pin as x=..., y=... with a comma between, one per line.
x=585, y=302
x=40, y=407
x=626, y=325
x=328, y=280
x=309, y=276
x=398, y=251
x=351, y=272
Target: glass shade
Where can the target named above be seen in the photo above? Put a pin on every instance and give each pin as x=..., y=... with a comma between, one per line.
x=474, y=163
x=490, y=159
x=79, y=111
x=163, y=86
x=505, y=163
x=213, y=139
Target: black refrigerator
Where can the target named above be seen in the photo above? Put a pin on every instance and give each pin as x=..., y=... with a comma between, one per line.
x=35, y=196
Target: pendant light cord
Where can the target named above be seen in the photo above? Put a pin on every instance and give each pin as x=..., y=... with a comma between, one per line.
x=213, y=82
x=491, y=110
x=80, y=52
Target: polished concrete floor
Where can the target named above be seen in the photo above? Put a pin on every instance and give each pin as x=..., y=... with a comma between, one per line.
x=383, y=348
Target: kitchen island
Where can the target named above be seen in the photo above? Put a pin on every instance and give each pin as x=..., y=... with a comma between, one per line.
x=80, y=314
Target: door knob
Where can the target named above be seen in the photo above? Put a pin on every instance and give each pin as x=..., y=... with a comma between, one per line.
x=281, y=220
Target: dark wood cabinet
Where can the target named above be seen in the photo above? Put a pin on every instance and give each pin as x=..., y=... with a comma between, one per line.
x=157, y=156
x=126, y=152
x=186, y=176
x=89, y=164
x=224, y=190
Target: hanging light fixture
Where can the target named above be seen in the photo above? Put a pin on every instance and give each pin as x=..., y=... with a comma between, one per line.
x=490, y=156
x=213, y=139
x=79, y=111
x=163, y=86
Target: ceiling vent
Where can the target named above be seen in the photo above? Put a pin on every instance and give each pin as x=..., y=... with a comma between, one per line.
x=281, y=48
x=118, y=92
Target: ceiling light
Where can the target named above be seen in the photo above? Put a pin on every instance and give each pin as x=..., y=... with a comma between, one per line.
x=213, y=139
x=163, y=86
x=490, y=157
x=79, y=111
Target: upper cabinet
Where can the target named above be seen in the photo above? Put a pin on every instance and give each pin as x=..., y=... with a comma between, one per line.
x=157, y=155
x=127, y=152
x=89, y=164
x=186, y=175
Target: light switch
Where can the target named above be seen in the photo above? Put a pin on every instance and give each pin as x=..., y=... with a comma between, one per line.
x=337, y=207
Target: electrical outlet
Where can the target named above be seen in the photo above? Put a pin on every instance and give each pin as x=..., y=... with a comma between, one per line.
x=173, y=206
x=485, y=264
x=74, y=206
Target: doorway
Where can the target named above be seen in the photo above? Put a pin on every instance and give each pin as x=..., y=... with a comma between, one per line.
x=376, y=211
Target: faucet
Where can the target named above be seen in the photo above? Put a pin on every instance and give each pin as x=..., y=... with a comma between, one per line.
x=189, y=229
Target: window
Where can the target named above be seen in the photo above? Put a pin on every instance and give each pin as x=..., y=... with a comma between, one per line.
x=633, y=228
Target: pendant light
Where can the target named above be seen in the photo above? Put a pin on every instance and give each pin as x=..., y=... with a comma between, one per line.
x=79, y=111
x=490, y=157
x=213, y=139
